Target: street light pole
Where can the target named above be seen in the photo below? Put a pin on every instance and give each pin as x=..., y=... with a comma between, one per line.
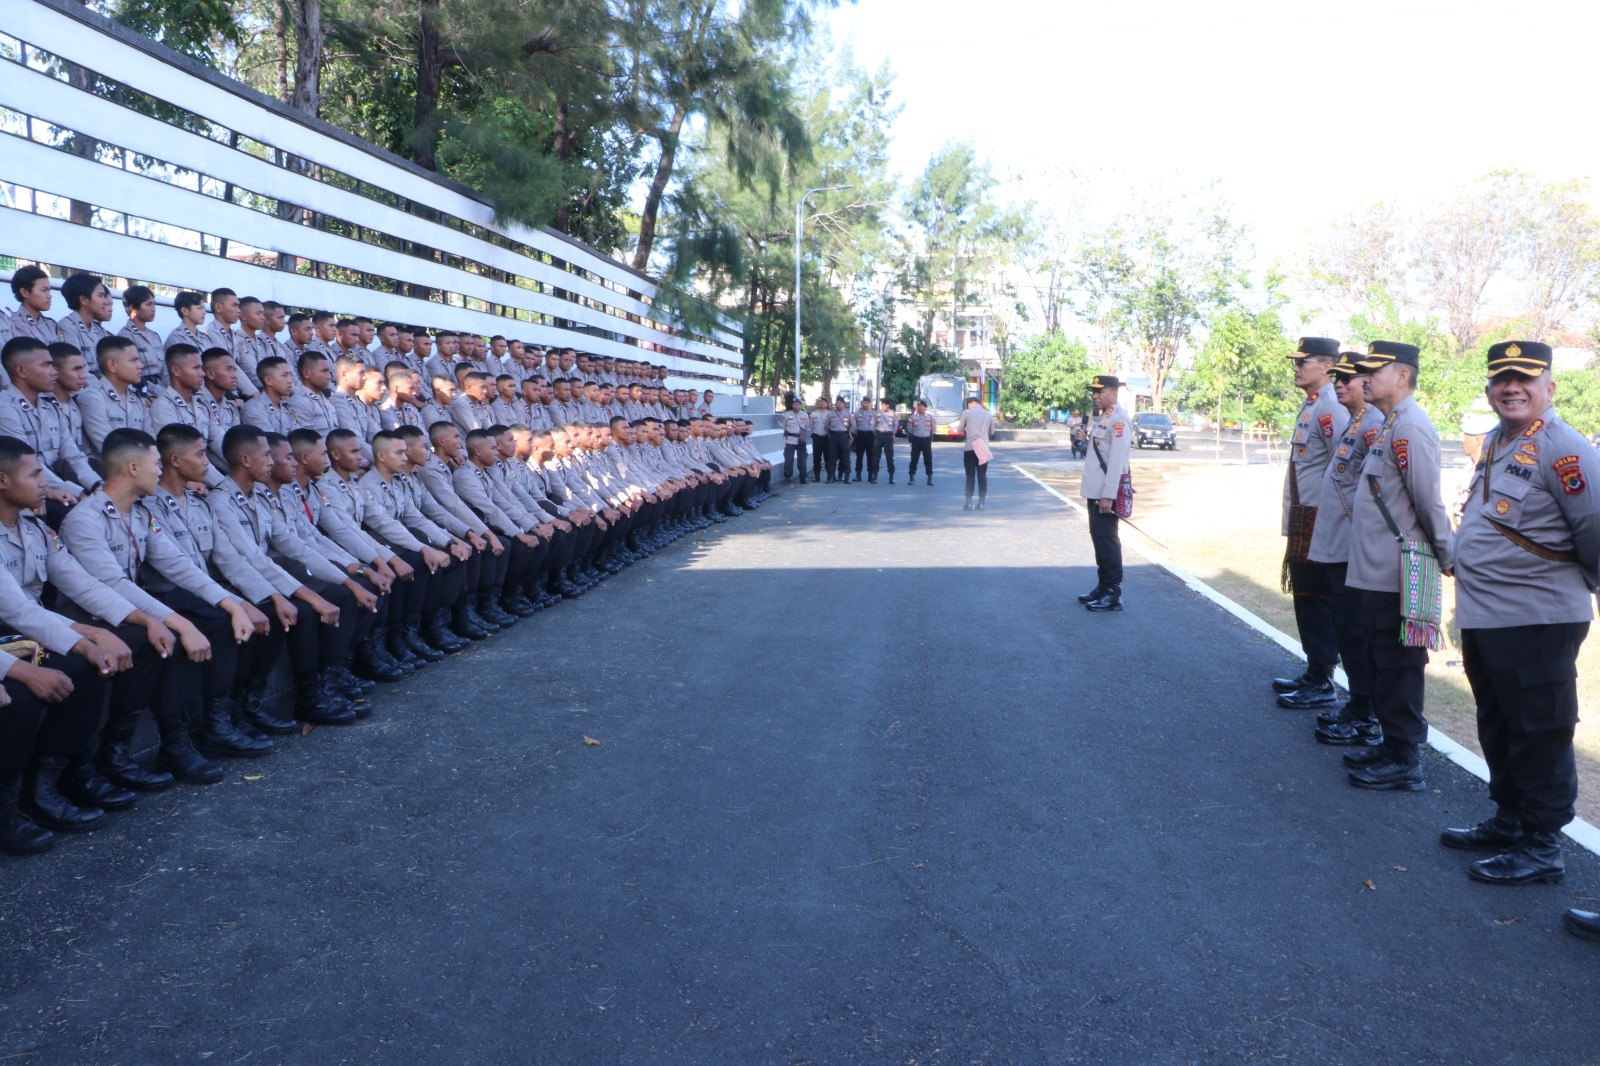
x=799, y=223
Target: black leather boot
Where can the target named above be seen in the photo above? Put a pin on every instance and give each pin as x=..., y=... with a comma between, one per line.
x=19, y=834
x=1390, y=774
x=394, y=639
x=313, y=705
x=1350, y=732
x=435, y=632
x=1109, y=600
x=116, y=762
x=1319, y=692
x=1281, y=685
x=1536, y=858
x=463, y=625
x=253, y=709
x=1093, y=594
x=381, y=653
x=220, y=737
x=83, y=785
x=1500, y=833
x=488, y=607
x=43, y=802
x=1366, y=756
x=1585, y=924
x=181, y=758
x=419, y=647
x=368, y=664
x=332, y=694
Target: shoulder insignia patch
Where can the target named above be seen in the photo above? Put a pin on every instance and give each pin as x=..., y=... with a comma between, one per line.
x=55, y=541
x=1369, y=436
x=155, y=527
x=1528, y=447
x=1525, y=460
x=111, y=509
x=239, y=497
x=1570, y=470
x=1402, y=452
x=1117, y=428
x=1326, y=422
x=1534, y=427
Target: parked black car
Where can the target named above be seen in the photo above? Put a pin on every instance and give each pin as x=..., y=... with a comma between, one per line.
x=1153, y=427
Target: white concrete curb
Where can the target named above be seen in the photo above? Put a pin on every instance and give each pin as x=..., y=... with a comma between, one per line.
x=1579, y=830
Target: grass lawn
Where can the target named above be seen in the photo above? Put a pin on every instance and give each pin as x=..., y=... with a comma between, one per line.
x=1220, y=523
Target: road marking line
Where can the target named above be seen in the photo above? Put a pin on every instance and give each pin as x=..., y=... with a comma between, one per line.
x=1579, y=830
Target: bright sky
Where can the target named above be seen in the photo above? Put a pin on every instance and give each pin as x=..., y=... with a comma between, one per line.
x=1302, y=111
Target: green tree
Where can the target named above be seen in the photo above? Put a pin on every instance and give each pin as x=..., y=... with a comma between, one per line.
x=1447, y=382
x=1578, y=399
x=1047, y=371
x=909, y=359
x=1242, y=373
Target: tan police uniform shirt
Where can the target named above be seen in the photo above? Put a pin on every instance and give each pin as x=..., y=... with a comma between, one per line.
x=1404, y=463
x=1540, y=486
x=1330, y=540
x=1318, y=426
x=33, y=554
x=116, y=548
x=1111, y=440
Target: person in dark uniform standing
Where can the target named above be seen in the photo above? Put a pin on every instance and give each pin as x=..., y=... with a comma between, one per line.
x=1110, y=442
x=1320, y=423
x=885, y=423
x=863, y=442
x=919, y=431
x=1400, y=545
x=1527, y=558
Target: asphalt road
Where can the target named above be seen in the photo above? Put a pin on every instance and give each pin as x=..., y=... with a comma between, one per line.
x=871, y=787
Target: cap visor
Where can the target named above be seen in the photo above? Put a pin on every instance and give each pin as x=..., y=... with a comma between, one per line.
x=1532, y=370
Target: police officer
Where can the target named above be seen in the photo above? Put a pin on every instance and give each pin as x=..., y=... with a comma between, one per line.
x=30, y=412
x=31, y=286
x=119, y=538
x=1401, y=506
x=885, y=423
x=1352, y=723
x=88, y=309
x=919, y=431
x=140, y=303
x=1110, y=440
x=113, y=400
x=796, y=431
x=271, y=408
x=1320, y=422
x=863, y=442
x=191, y=308
x=1527, y=560
x=838, y=442
x=819, y=434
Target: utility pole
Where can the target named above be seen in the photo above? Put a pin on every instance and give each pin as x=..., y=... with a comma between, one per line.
x=799, y=223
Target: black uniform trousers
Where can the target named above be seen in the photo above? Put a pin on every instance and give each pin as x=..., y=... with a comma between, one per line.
x=219, y=675
x=839, y=454
x=1313, y=615
x=922, y=446
x=865, y=447
x=885, y=447
x=1106, y=536
x=1350, y=628
x=61, y=730
x=819, y=455
x=1396, y=672
x=1525, y=682
x=976, y=472
x=794, y=450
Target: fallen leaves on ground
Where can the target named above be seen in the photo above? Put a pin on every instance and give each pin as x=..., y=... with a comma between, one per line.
x=591, y=742
x=1369, y=884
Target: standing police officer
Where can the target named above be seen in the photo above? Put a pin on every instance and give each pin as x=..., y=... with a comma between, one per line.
x=1321, y=422
x=796, y=429
x=819, y=436
x=1352, y=723
x=864, y=443
x=1110, y=441
x=919, y=430
x=885, y=423
x=1400, y=510
x=839, y=443
x=1527, y=560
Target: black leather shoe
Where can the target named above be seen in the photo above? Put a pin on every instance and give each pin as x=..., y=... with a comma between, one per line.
x=1389, y=776
x=1335, y=715
x=19, y=834
x=1579, y=923
x=421, y=648
x=1350, y=733
x=219, y=736
x=1110, y=600
x=267, y=722
x=1536, y=859
x=1497, y=834
x=83, y=786
x=1093, y=594
x=352, y=686
x=1366, y=756
x=967, y=506
x=312, y=706
x=1315, y=695
x=1282, y=685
